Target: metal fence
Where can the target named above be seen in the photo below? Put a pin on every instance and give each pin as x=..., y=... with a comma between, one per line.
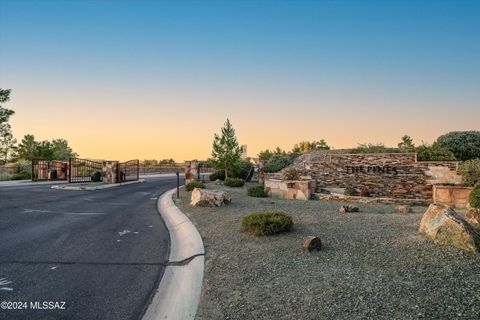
x=128, y=171
x=160, y=169
x=204, y=171
x=81, y=170
x=43, y=170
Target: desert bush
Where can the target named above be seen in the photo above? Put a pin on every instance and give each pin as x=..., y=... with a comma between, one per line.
x=470, y=172
x=242, y=171
x=465, y=145
x=257, y=191
x=22, y=175
x=266, y=223
x=349, y=191
x=434, y=152
x=217, y=175
x=277, y=163
x=365, y=192
x=475, y=197
x=234, y=182
x=291, y=174
x=194, y=184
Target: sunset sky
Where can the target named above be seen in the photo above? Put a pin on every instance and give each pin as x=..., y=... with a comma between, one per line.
x=156, y=79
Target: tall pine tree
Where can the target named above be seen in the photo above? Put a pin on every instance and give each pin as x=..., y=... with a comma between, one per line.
x=226, y=153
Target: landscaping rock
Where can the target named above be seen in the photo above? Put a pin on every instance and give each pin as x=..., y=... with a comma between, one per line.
x=209, y=198
x=403, y=209
x=473, y=217
x=348, y=208
x=443, y=225
x=311, y=243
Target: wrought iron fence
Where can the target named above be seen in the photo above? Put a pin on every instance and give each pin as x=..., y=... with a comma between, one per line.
x=43, y=170
x=160, y=169
x=128, y=171
x=81, y=170
x=204, y=171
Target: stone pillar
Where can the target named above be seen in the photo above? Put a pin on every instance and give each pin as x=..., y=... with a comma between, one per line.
x=191, y=170
x=109, y=171
x=261, y=174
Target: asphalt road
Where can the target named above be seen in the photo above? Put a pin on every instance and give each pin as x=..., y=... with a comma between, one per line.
x=99, y=254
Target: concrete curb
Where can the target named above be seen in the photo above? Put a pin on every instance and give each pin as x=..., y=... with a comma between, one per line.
x=178, y=294
x=94, y=187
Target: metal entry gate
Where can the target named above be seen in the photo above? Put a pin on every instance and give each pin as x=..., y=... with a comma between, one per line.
x=128, y=171
x=81, y=170
x=43, y=170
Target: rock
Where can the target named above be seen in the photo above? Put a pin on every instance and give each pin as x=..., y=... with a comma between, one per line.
x=403, y=209
x=311, y=243
x=444, y=226
x=473, y=216
x=209, y=198
x=348, y=208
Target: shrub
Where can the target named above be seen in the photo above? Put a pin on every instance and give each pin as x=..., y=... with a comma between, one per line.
x=465, y=145
x=22, y=175
x=291, y=174
x=217, y=175
x=277, y=163
x=234, y=182
x=475, y=197
x=435, y=152
x=257, y=192
x=242, y=171
x=365, y=192
x=266, y=223
x=194, y=184
x=470, y=172
x=373, y=148
x=349, y=191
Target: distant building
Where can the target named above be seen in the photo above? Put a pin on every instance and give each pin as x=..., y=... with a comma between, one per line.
x=244, y=151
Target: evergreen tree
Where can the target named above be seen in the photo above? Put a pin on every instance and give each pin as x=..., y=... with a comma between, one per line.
x=7, y=143
x=27, y=149
x=5, y=113
x=407, y=144
x=226, y=153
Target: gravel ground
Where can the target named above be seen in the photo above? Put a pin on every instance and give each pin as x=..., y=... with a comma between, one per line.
x=373, y=265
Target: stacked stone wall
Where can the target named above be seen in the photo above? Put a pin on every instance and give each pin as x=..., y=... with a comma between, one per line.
x=392, y=175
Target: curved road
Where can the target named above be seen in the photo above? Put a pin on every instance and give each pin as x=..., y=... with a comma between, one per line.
x=99, y=254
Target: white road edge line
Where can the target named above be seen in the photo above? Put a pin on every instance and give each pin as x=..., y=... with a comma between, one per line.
x=178, y=294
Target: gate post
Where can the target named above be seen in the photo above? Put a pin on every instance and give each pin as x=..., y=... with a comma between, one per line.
x=69, y=170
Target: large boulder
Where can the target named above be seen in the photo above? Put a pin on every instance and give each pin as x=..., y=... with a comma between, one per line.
x=209, y=198
x=443, y=225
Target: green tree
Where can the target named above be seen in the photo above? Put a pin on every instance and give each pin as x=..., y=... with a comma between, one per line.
x=433, y=152
x=267, y=154
x=45, y=150
x=149, y=162
x=61, y=150
x=373, y=148
x=306, y=146
x=4, y=112
x=407, y=144
x=167, y=162
x=226, y=153
x=27, y=149
x=465, y=145
x=7, y=143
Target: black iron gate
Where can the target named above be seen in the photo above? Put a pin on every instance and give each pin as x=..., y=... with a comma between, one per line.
x=81, y=170
x=43, y=170
x=204, y=171
x=128, y=171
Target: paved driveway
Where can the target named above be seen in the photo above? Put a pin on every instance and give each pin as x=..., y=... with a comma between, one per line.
x=98, y=254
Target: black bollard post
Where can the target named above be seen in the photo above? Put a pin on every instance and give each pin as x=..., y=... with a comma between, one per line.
x=178, y=184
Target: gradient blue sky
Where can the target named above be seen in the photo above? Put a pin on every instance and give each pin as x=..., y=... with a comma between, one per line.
x=156, y=79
